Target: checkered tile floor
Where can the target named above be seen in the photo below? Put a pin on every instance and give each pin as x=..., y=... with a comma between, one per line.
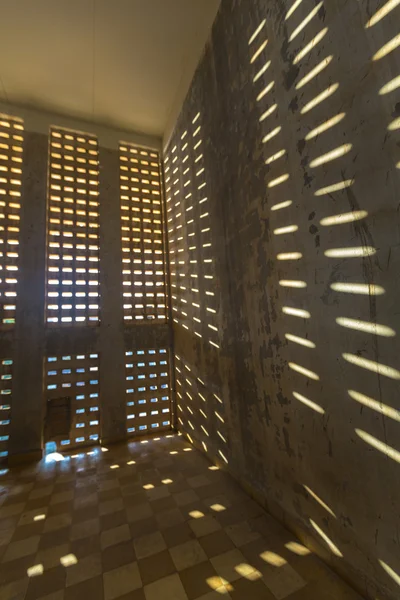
x=148, y=520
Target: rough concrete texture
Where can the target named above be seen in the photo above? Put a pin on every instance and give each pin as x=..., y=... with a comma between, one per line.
x=305, y=247
x=30, y=341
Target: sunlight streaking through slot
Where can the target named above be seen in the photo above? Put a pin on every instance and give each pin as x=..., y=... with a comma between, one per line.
x=325, y=126
x=371, y=365
x=366, y=289
x=382, y=12
x=289, y=256
x=271, y=134
x=335, y=187
x=296, y=312
x=395, y=576
x=390, y=86
x=273, y=559
x=275, y=157
x=394, y=125
x=257, y=31
x=35, y=570
x=265, y=91
x=379, y=407
x=319, y=500
x=309, y=403
x=268, y=112
x=356, y=252
x=258, y=52
x=334, y=549
x=278, y=180
x=332, y=155
x=291, y=10
x=378, y=445
x=297, y=548
x=314, y=72
x=292, y=283
x=366, y=327
x=305, y=21
x=299, y=340
x=310, y=46
x=320, y=98
x=261, y=71
x=303, y=371
x=281, y=205
x=287, y=229
x=356, y=215
x=387, y=48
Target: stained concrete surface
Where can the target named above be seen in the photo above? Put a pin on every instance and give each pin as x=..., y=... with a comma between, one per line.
x=301, y=398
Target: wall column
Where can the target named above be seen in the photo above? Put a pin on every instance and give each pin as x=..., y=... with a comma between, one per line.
x=111, y=347
x=26, y=427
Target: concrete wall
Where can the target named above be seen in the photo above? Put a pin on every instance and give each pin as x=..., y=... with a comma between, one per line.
x=305, y=380
x=30, y=341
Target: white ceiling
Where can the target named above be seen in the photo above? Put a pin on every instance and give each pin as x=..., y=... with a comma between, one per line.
x=122, y=63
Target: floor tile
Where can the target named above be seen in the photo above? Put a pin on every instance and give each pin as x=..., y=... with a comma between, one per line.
x=117, y=556
x=241, y=533
x=178, y=534
x=112, y=520
x=204, y=526
x=15, y=590
x=158, y=492
x=121, y=581
x=198, y=481
x=50, y=557
x=186, y=497
x=156, y=567
x=169, y=587
x=49, y=582
x=149, y=544
x=187, y=555
x=12, y=510
x=85, y=529
x=216, y=543
x=114, y=536
x=244, y=589
x=200, y=579
x=22, y=548
x=59, y=595
x=85, y=568
x=139, y=528
x=228, y=565
x=61, y=497
x=86, y=546
x=110, y=506
x=91, y=589
x=139, y=512
x=219, y=594
x=57, y=522
x=169, y=518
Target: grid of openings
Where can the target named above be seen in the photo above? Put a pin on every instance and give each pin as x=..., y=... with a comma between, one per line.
x=143, y=270
x=73, y=229
x=11, y=148
x=76, y=377
x=5, y=405
x=147, y=388
x=194, y=301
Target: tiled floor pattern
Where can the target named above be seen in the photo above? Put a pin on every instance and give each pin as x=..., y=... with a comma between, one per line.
x=148, y=520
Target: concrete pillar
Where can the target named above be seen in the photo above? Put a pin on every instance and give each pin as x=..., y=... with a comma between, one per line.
x=111, y=339
x=26, y=427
